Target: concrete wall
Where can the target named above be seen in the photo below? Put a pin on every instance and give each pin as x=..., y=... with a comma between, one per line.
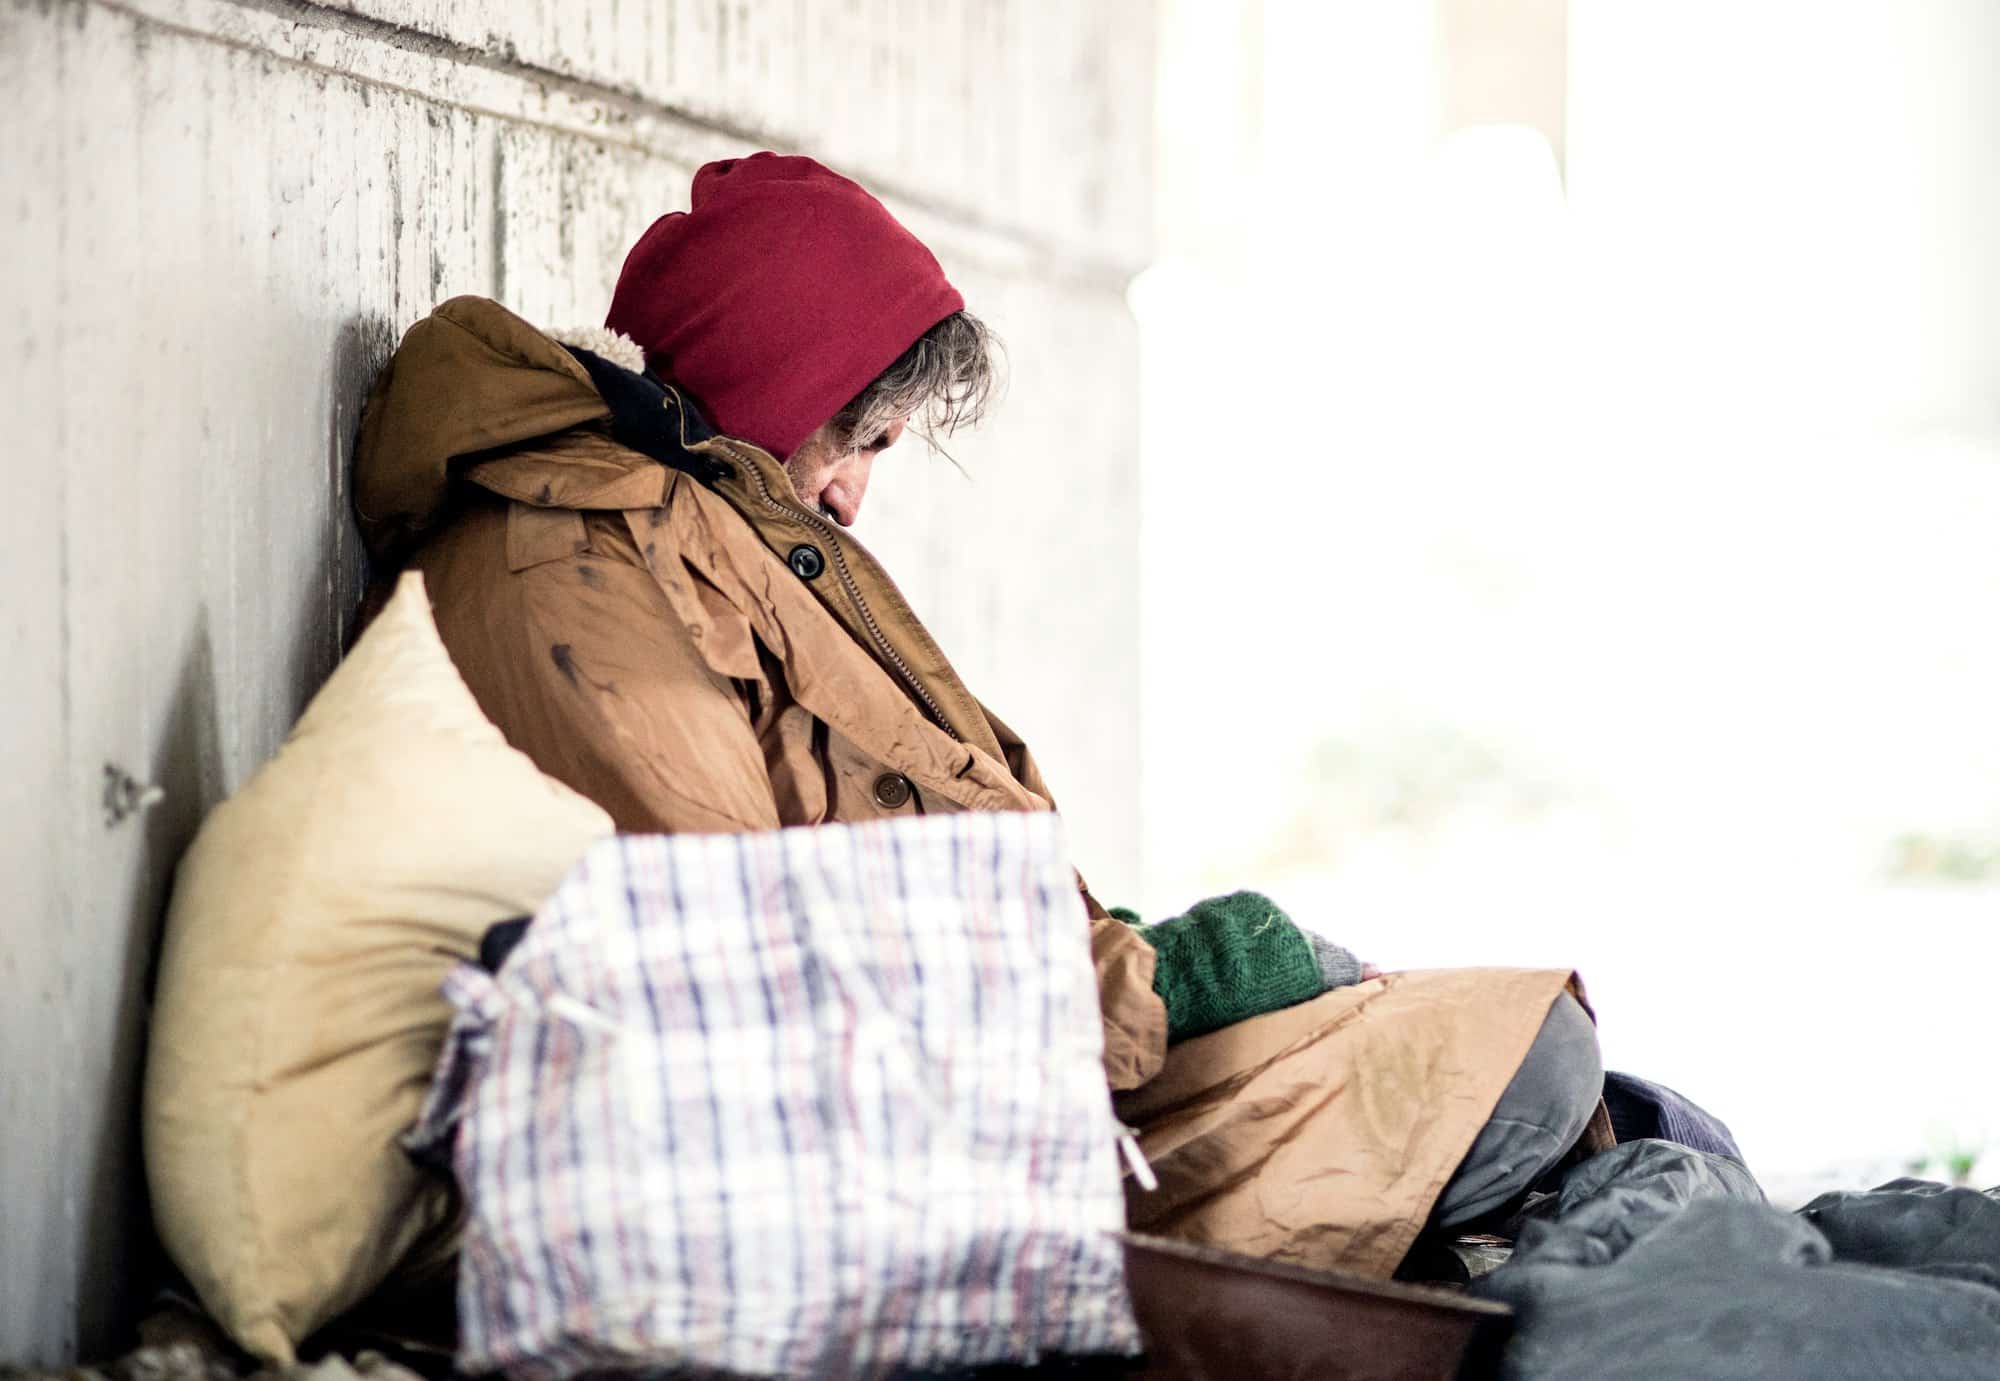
x=219, y=217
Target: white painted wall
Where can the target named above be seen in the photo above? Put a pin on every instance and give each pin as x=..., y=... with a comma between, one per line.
x=220, y=215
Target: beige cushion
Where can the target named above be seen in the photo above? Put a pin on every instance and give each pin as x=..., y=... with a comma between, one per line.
x=298, y=1015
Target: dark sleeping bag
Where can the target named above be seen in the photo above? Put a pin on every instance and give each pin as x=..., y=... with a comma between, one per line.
x=1660, y=1261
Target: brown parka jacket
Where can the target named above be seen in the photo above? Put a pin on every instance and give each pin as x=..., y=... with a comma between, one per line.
x=646, y=610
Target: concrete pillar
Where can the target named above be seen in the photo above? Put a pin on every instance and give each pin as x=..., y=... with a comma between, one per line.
x=221, y=216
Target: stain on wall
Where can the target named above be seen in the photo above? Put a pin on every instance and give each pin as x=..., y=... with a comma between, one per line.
x=220, y=215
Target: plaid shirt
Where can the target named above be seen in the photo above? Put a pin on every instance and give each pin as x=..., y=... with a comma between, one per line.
x=816, y=1102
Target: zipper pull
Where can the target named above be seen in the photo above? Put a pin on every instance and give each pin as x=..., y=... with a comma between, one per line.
x=1135, y=1159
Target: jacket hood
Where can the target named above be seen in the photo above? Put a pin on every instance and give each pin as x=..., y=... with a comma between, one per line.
x=559, y=420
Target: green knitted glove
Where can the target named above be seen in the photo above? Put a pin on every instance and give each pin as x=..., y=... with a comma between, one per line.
x=1236, y=957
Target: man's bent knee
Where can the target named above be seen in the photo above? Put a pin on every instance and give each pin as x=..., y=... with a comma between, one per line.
x=1540, y=1115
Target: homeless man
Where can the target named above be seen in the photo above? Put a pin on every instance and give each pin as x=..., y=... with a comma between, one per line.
x=637, y=547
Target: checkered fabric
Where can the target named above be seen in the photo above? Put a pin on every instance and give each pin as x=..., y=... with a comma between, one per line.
x=820, y=1102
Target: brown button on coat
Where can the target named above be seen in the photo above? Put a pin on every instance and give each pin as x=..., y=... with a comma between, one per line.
x=716, y=657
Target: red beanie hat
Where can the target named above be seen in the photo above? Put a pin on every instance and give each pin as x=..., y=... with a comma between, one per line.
x=780, y=296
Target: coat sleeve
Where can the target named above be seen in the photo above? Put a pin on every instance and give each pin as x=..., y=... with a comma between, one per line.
x=1135, y=1019
x=585, y=668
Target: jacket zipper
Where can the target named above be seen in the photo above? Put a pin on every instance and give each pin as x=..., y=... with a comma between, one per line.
x=889, y=654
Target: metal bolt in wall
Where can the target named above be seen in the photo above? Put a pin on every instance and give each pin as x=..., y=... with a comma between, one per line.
x=125, y=795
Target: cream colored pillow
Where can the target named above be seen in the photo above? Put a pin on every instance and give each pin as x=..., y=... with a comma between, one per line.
x=298, y=1015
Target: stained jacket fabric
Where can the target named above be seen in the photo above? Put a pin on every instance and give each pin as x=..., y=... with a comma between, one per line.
x=645, y=609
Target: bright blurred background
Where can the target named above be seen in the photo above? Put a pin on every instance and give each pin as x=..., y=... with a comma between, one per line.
x=1572, y=483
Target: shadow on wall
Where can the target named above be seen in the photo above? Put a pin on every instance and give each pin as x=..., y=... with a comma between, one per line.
x=122, y=1257
x=118, y=1261
x=361, y=349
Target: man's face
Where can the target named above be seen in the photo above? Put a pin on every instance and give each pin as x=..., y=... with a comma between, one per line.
x=831, y=477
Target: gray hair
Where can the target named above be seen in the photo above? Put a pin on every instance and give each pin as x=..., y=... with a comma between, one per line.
x=942, y=382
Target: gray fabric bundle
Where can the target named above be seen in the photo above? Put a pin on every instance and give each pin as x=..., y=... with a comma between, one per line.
x=1661, y=1262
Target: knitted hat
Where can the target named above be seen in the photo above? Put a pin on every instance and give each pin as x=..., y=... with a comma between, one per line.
x=778, y=297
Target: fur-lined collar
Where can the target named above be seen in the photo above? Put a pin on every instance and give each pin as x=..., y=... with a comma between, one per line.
x=607, y=344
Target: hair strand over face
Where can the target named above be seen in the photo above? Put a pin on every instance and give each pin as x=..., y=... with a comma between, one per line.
x=943, y=382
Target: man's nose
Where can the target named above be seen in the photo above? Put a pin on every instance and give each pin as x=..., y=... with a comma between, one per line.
x=849, y=485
